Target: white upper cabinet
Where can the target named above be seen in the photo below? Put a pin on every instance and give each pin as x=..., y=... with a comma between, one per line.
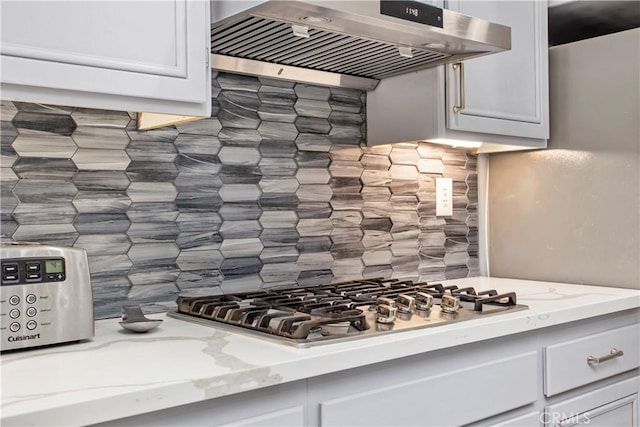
x=134, y=55
x=506, y=93
x=497, y=102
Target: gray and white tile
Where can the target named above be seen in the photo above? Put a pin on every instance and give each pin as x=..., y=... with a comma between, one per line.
x=42, y=191
x=100, y=118
x=240, y=229
x=30, y=143
x=314, y=210
x=275, y=237
x=56, y=170
x=150, y=232
x=104, y=244
x=279, y=254
x=198, y=260
x=277, y=131
x=150, y=171
x=284, y=273
x=100, y=137
x=101, y=202
x=240, y=211
x=47, y=212
x=101, y=159
x=272, y=167
x=241, y=248
x=239, y=267
x=52, y=123
x=101, y=223
x=52, y=234
x=208, y=281
x=152, y=212
x=209, y=126
x=101, y=181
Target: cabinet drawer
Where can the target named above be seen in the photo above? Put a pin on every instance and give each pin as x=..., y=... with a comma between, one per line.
x=567, y=365
x=614, y=405
x=452, y=398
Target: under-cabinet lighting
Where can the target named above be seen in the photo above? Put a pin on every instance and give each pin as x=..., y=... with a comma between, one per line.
x=455, y=143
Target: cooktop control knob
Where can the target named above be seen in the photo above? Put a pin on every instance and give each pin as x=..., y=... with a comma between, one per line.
x=386, y=310
x=449, y=303
x=424, y=301
x=406, y=303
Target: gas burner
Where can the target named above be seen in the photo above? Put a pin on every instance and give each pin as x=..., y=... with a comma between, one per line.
x=345, y=310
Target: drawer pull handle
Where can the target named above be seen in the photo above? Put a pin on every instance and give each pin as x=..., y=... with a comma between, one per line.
x=598, y=360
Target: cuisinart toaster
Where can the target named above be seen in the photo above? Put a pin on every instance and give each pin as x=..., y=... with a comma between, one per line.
x=45, y=295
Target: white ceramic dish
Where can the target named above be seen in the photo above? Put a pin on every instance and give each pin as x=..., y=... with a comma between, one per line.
x=141, y=326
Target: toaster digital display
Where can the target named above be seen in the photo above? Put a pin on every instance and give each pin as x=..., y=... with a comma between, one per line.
x=54, y=266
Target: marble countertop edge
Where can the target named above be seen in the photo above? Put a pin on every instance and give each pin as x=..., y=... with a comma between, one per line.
x=223, y=363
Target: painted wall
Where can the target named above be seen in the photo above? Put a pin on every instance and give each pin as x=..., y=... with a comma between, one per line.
x=276, y=188
x=572, y=213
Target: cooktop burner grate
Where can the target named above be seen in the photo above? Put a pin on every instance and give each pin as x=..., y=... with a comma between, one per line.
x=345, y=310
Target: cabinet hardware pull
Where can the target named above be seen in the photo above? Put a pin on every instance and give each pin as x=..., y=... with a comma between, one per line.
x=598, y=360
x=460, y=67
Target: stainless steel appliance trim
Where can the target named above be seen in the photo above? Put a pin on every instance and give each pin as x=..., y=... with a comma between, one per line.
x=436, y=319
x=349, y=37
x=63, y=309
x=286, y=72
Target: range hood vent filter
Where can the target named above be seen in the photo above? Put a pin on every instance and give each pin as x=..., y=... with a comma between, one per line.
x=273, y=41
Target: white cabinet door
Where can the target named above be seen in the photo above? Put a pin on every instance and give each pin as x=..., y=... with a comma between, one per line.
x=505, y=93
x=134, y=55
x=531, y=419
x=280, y=405
x=612, y=406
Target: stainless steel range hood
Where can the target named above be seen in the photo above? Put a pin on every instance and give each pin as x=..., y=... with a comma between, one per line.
x=345, y=43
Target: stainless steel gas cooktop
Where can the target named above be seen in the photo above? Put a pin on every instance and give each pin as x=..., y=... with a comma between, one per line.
x=310, y=316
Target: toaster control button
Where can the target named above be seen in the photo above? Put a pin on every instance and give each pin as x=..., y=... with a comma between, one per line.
x=31, y=325
x=9, y=277
x=14, y=327
x=34, y=267
x=10, y=268
x=14, y=313
x=34, y=276
x=31, y=298
x=31, y=311
x=14, y=300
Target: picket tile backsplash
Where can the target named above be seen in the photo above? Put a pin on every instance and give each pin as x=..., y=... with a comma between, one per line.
x=277, y=188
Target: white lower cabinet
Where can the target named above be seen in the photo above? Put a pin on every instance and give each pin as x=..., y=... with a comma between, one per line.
x=590, y=358
x=530, y=419
x=615, y=405
x=280, y=405
x=425, y=391
x=575, y=364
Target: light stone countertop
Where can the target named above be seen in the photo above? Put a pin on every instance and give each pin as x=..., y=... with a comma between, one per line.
x=119, y=374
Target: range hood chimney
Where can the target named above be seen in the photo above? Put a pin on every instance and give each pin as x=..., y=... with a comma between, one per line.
x=351, y=44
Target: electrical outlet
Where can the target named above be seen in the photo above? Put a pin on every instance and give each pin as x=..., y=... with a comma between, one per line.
x=444, y=197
